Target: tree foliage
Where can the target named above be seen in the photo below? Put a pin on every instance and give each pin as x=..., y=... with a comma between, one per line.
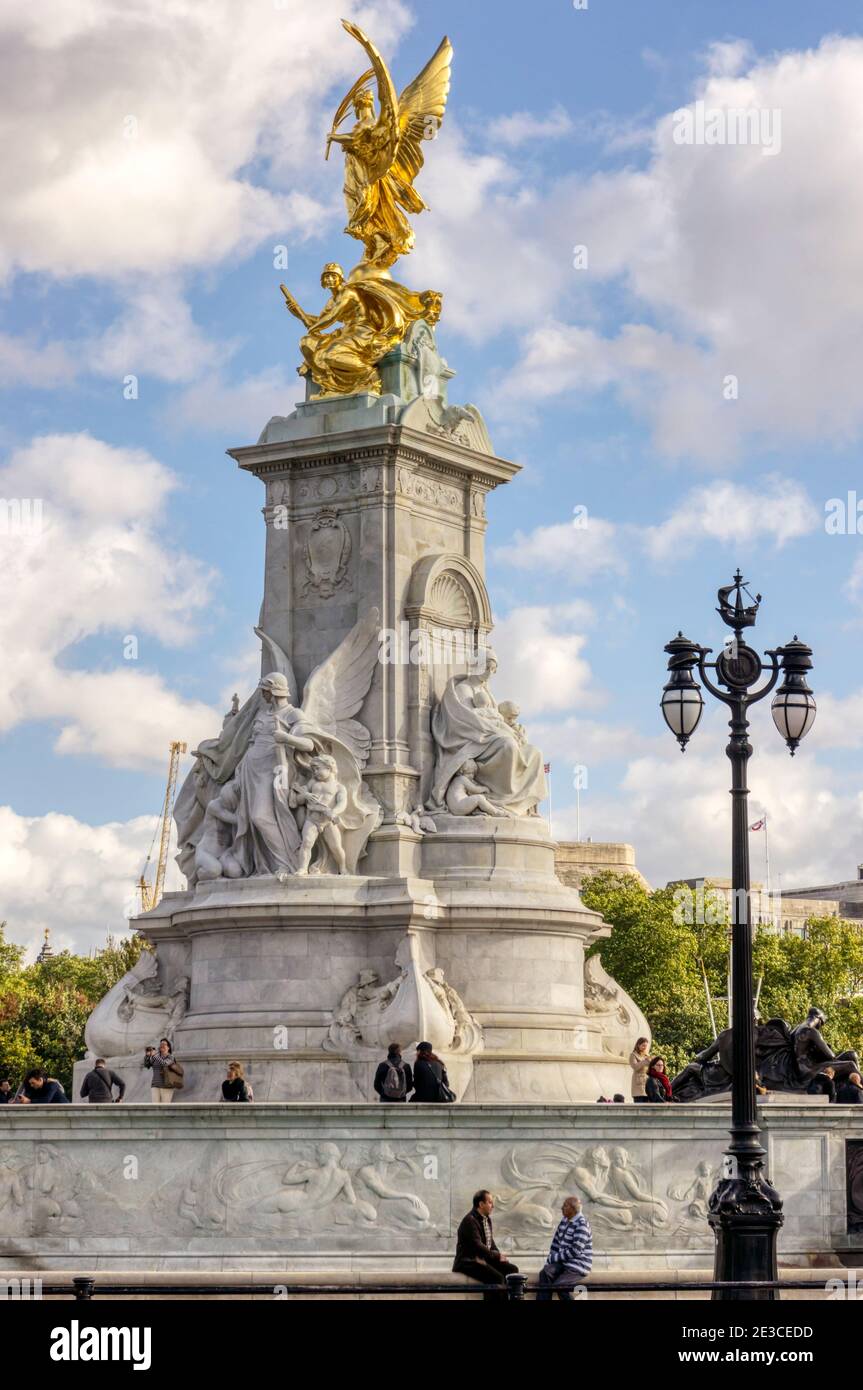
x=657, y=949
x=44, y=1006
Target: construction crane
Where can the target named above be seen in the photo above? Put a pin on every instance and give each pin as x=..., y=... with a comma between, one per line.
x=151, y=894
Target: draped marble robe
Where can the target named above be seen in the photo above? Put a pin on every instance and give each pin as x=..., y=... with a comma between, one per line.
x=467, y=724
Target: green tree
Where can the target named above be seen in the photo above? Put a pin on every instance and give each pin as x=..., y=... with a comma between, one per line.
x=45, y=1006
x=660, y=940
x=824, y=968
x=655, y=952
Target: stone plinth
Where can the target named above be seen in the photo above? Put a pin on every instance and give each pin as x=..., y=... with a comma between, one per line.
x=365, y=1188
x=270, y=962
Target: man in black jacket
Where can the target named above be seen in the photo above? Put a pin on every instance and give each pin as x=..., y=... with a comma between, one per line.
x=98, y=1085
x=476, y=1254
x=393, y=1078
x=851, y=1091
x=38, y=1088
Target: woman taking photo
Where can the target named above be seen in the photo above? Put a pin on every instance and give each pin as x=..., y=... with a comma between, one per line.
x=639, y=1061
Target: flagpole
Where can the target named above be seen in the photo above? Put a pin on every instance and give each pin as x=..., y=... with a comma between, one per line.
x=548, y=775
x=767, y=870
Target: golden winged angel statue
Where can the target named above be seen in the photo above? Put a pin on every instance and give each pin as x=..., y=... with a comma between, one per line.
x=384, y=153
x=368, y=312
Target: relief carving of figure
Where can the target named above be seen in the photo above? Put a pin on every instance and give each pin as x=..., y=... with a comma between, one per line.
x=618, y=1195
x=364, y=999
x=467, y=1036
x=141, y=1002
x=468, y=726
x=696, y=1193
x=139, y=1009
x=416, y=1004
x=261, y=768
x=403, y=1209
x=311, y=1186
x=53, y=1184
x=12, y=1191
x=626, y=1182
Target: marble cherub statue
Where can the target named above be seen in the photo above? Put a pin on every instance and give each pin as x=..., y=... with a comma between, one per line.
x=324, y=799
x=465, y=796
x=510, y=712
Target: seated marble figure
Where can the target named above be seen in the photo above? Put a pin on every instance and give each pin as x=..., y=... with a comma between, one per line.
x=483, y=761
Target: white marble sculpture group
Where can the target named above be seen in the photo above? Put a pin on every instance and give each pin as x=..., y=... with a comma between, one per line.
x=281, y=790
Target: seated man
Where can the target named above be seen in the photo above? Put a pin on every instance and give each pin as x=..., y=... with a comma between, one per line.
x=476, y=1254
x=570, y=1257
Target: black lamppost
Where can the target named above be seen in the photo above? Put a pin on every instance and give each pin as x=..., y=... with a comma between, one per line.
x=745, y=1211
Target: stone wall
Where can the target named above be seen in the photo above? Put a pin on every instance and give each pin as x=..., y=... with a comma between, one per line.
x=308, y=1187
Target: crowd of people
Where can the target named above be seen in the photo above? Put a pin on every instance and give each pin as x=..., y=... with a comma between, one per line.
x=101, y=1083
x=395, y=1081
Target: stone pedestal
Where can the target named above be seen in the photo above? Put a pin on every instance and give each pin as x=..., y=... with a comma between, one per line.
x=451, y=928
x=270, y=962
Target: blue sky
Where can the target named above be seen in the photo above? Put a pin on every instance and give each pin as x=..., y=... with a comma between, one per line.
x=156, y=155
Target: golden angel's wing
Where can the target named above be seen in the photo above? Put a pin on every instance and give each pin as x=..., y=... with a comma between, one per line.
x=379, y=152
x=420, y=112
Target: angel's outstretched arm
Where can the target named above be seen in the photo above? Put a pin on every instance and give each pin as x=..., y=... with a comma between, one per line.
x=387, y=99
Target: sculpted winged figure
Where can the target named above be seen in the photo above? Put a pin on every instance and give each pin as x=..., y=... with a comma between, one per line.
x=384, y=151
x=255, y=778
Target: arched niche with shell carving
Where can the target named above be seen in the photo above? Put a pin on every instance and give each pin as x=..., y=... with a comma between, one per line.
x=449, y=617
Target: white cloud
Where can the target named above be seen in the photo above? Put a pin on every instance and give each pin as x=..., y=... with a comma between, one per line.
x=154, y=335
x=581, y=551
x=780, y=510
x=675, y=810
x=720, y=253
x=542, y=666
x=239, y=409
x=96, y=567
x=25, y=364
x=523, y=126
x=76, y=879
x=155, y=137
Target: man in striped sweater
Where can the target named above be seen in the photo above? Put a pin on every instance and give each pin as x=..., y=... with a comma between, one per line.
x=570, y=1257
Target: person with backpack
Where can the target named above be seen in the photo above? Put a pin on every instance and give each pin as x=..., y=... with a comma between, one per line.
x=167, y=1073
x=98, y=1085
x=393, y=1078
x=431, y=1083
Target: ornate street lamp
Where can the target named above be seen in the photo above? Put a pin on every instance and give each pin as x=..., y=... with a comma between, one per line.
x=745, y=1211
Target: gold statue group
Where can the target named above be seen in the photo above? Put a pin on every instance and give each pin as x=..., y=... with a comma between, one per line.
x=368, y=313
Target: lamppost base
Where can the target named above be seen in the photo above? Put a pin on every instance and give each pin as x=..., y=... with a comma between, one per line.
x=745, y=1214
